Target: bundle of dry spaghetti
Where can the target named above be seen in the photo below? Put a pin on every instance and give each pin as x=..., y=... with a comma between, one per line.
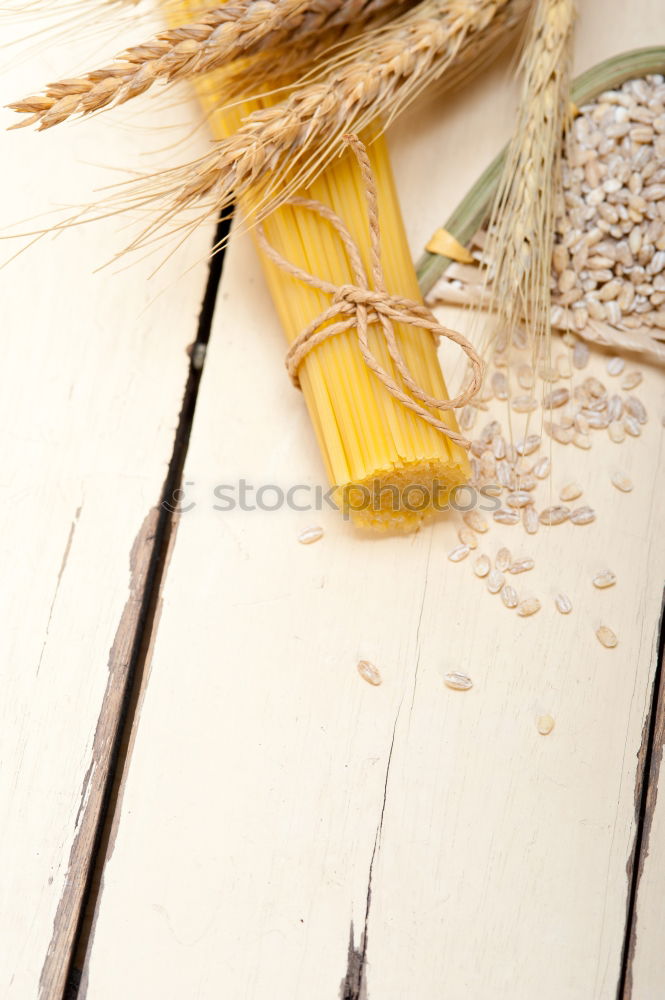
x=362, y=347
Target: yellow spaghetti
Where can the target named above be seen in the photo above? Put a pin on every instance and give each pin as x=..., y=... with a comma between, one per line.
x=390, y=467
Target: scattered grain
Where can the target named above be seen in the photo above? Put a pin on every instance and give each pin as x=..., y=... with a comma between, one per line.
x=582, y=441
x=571, y=491
x=615, y=366
x=504, y=515
x=606, y=637
x=458, y=553
x=527, y=445
x=310, y=535
x=556, y=398
x=521, y=565
x=545, y=724
x=580, y=355
x=582, y=515
x=525, y=376
x=606, y=578
x=495, y=581
x=631, y=380
x=530, y=520
x=503, y=560
x=636, y=409
x=631, y=426
x=616, y=431
x=524, y=404
x=369, y=673
x=468, y=537
x=622, y=482
x=554, y=515
x=475, y=520
x=458, y=682
x=528, y=607
x=563, y=604
x=509, y=596
x=500, y=385
x=521, y=498
x=482, y=566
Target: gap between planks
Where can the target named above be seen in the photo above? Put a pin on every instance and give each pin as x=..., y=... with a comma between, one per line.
x=646, y=795
x=149, y=560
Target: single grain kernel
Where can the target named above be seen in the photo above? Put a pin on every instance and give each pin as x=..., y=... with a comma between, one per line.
x=482, y=566
x=495, y=581
x=615, y=366
x=468, y=537
x=525, y=376
x=458, y=553
x=556, y=398
x=571, y=491
x=545, y=725
x=631, y=426
x=528, y=607
x=503, y=560
x=582, y=515
x=369, y=672
x=582, y=441
x=554, y=515
x=580, y=355
x=524, y=404
x=504, y=515
x=622, y=482
x=475, y=520
x=519, y=499
x=310, y=535
x=527, y=445
x=530, y=520
x=458, y=682
x=563, y=604
x=606, y=578
x=509, y=596
x=606, y=637
x=631, y=380
x=616, y=432
x=521, y=565
x=500, y=385
x=636, y=409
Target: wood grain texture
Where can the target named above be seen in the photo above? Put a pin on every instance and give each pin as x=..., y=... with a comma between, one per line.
x=288, y=831
x=92, y=373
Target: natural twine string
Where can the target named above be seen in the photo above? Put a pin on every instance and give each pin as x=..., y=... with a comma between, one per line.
x=361, y=305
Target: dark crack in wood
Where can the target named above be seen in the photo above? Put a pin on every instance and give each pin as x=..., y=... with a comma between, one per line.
x=354, y=984
x=60, y=976
x=650, y=758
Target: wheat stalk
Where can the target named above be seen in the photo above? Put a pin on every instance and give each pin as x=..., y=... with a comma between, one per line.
x=521, y=231
x=281, y=148
x=213, y=39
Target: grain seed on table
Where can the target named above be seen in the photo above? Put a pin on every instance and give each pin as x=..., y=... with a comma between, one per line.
x=369, y=672
x=457, y=681
x=563, y=604
x=622, y=482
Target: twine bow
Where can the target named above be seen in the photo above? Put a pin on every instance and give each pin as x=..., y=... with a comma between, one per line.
x=358, y=305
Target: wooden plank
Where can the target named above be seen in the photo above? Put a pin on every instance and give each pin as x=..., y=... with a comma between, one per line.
x=93, y=370
x=285, y=830
x=645, y=966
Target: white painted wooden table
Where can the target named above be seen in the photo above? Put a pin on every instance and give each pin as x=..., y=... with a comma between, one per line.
x=284, y=831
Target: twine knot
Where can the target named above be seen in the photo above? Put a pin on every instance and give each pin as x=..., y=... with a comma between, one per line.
x=357, y=305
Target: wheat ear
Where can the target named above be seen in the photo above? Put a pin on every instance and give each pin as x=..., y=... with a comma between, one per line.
x=521, y=230
x=283, y=147
x=213, y=39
